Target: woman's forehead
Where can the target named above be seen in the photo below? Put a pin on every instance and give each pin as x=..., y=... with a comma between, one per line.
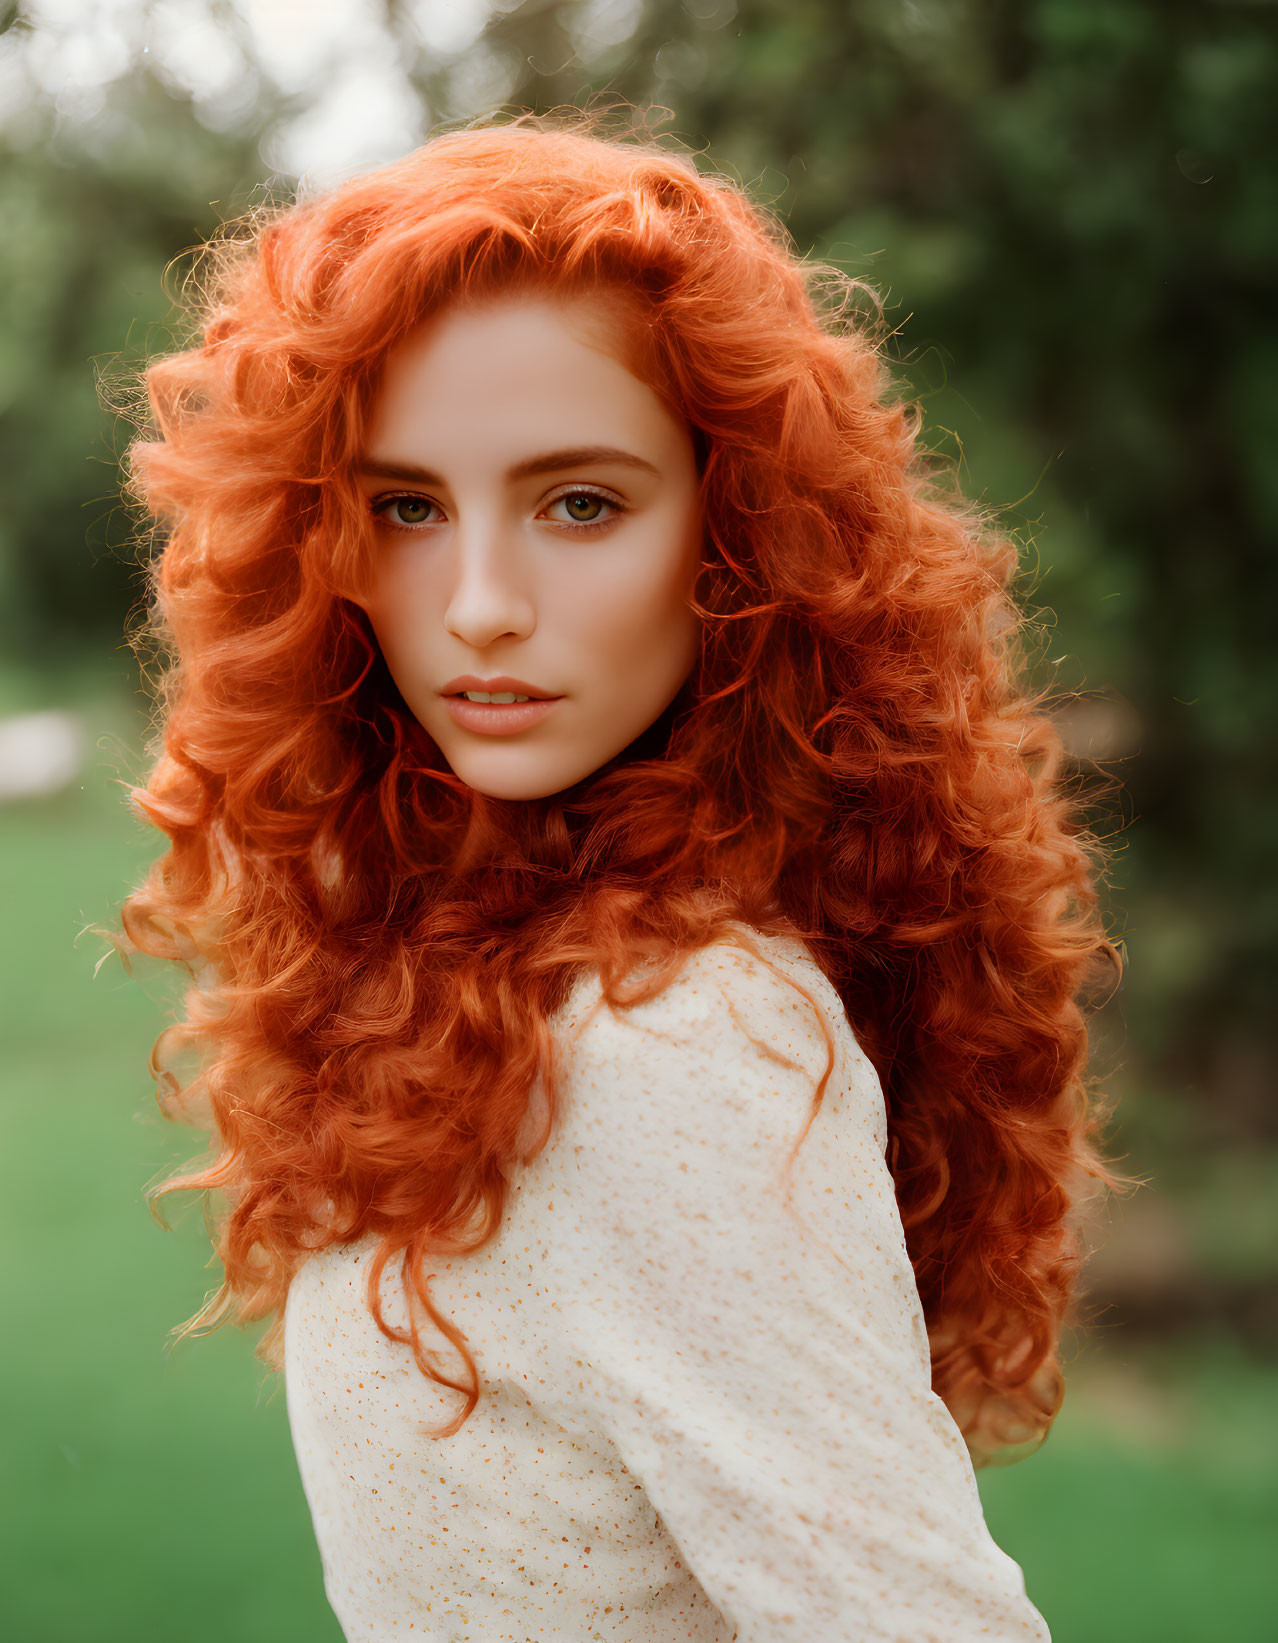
x=492, y=368
x=605, y=314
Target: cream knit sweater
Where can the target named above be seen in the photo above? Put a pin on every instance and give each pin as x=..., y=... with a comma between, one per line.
x=706, y=1409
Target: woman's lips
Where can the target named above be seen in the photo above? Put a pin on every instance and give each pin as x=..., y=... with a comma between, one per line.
x=503, y=682
x=498, y=718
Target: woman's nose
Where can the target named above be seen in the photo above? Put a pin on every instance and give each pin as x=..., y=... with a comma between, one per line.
x=490, y=599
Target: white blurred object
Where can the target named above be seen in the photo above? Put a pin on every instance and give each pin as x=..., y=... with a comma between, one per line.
x=39, y=753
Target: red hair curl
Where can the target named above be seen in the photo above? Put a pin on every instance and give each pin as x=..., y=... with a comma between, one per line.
x=376, y=949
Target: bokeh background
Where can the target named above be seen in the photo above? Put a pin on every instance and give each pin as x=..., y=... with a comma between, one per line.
x=1070, y=208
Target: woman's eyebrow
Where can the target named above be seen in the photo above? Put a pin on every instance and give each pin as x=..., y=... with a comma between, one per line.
x=550, y=462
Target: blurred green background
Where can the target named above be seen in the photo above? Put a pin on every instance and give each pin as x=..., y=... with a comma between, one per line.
x=1071, y=210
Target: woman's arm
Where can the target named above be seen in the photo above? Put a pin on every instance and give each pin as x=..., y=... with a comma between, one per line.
x=760, y=1361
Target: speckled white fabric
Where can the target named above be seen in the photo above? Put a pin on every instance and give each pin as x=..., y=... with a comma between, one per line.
x=707, y=1411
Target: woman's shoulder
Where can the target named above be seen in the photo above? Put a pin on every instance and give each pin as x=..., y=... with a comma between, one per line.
x=748, y=997
x=742, y=963
x=740, y=1075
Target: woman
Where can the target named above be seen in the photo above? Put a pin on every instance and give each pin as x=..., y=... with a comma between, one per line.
x=652, y=1113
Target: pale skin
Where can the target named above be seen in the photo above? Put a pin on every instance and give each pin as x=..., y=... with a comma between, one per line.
x=574, y=578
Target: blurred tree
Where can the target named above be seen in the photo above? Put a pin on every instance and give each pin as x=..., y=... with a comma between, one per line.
x=96, y=205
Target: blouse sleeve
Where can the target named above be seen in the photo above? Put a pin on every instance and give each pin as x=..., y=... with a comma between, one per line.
x=751, y=1340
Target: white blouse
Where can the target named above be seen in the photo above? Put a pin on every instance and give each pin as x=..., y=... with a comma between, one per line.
x=706, y=1411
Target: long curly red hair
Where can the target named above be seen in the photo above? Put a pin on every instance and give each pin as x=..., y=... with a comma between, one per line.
x=376, y=950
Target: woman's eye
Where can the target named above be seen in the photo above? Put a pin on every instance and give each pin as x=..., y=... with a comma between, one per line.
x=585, y=507
x=404, y=510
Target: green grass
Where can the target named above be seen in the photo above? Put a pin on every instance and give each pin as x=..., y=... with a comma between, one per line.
x=149, y=1494
x=153, y=1495
x=1151, y=1513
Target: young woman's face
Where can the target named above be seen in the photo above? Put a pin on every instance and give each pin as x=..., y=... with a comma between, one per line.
x=537, y=530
